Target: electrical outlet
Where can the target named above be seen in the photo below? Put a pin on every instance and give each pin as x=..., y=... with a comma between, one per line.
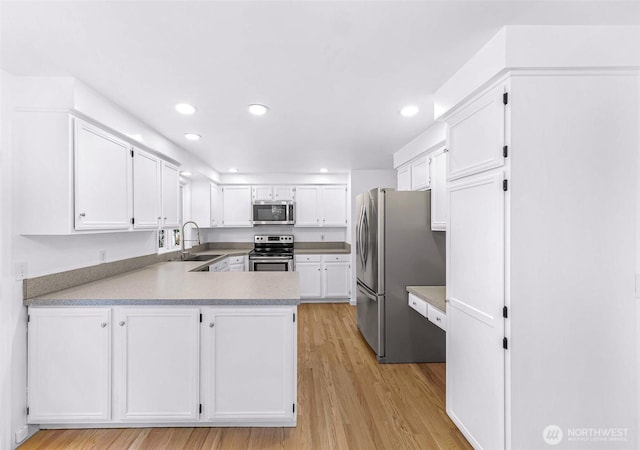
x=21, y=270
x=21, y=434
x=102, y=254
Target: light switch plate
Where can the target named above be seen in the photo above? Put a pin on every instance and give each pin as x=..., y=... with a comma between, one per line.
x=21, y=270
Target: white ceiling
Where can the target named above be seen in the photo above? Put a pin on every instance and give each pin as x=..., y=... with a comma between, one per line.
x=334, y=74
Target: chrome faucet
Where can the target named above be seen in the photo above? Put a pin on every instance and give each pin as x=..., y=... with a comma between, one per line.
x=183, y=252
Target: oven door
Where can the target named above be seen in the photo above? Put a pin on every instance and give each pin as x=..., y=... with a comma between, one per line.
x=271, y=265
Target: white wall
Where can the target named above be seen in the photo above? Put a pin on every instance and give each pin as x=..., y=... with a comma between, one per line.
x=431, y=139
x=362, y=181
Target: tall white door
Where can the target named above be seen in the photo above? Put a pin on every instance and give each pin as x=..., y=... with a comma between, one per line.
x=249, y=364
x=475, y=326
x=146, y=190
x=69, y=370
x=307, y=206
x=170, y=189
x=157, y=357
x=102, y=179
x=333, y=209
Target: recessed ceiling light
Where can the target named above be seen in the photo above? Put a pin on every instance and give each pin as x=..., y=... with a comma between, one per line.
x=409, y=111
x=186, y=174
x=324, y=170
x=192, y=136
x=233, y=170
x=258, y=110
x=185, y=108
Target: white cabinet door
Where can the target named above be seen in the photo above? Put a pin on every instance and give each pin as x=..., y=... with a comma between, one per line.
x=236, y=206
x=102, y=179
x=475, y=326
x=262, y=193
x=69, y=370
x=283, y=193
x=157, y=363
x=476, y=136
x=215, y=205
x=420, y=177
x=249, y=362
x=170, y=189
x=337, y=279
x=310, y=279
x=333, y=206
x=404, y=178
x=439, y=191
x=306, y=207
x=146, y=190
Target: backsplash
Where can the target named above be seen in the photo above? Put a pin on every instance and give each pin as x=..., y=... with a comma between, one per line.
x=300, y=234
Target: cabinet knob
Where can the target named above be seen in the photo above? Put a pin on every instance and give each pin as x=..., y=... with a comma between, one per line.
x=438, y=319
x=210, y=324
x=165, y=218
x=103, y=324
x=318, y=270
x=83, y=214
x=159, y=218
x=325, y=269
x=121, y=323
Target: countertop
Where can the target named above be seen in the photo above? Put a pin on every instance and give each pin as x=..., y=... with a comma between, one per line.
x=173, y=283
x=434, y=295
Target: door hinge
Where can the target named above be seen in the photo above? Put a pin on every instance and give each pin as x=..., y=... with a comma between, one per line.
x=200, y=409
x=505, y=312
x=294, y=317
x=200, y=317
x=132, y=153
x=505, y=344
x=27, y=410
x=505, y=151
x=28, y=317
x=133, y=220
x=294, y=407
x=505, y=98
x=505, y=185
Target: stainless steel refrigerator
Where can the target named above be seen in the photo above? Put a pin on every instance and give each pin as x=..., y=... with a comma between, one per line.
x=396, y=248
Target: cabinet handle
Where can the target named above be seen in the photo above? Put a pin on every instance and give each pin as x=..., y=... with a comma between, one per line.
x=210, y=324
x=121, y=323
x=103, y=324
x=83, y=214
x=438, y=319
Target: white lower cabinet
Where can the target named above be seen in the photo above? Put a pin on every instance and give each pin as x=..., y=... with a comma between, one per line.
x=324, y=276
x=157, y=363
x=249, y=370
x=238, y=365
x=69, y=365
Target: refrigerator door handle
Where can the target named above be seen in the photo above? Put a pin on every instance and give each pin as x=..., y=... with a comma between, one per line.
x=359, y=231
x=365, y=238
x=367, y=292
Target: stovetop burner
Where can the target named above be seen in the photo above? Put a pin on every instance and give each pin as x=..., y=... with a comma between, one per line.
x=274, y=246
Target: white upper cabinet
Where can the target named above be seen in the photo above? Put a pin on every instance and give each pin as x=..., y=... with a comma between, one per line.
x=415, y=175
x=476, y=135
x=214, y=205
x=102, y=179
x=306, y=208
x=87, y=179
x=146, y=190
x=205, y=204
x=272, y=193
x=321, y=206
x=404, y=178
x=236, y=206
x=439, y=199
x=420, y=176
x=170, y=198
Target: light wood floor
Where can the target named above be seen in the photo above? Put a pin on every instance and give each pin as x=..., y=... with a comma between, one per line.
x=346, y=400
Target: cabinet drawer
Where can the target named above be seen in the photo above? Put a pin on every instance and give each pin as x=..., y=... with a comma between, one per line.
x=224, y=263
x=308, y=258
x=336, y=258
x=437, y=317
x=236, y=259
x=418, y=304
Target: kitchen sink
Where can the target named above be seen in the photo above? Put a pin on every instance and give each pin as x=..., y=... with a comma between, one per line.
x=200, y=257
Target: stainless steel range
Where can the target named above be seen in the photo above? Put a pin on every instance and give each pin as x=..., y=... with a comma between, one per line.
x=271, y=253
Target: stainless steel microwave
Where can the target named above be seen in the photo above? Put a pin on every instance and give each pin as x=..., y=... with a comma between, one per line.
x=273, y=213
